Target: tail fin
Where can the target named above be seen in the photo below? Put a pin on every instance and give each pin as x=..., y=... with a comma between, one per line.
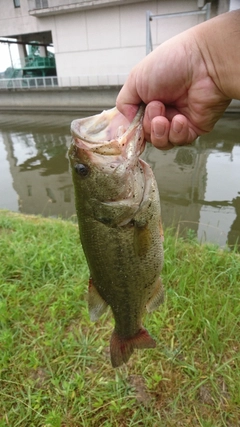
x=122, y=348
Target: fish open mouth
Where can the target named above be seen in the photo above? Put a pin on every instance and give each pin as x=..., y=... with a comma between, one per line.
x=106, y=133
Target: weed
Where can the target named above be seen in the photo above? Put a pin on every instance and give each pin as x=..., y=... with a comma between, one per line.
x=54, y=363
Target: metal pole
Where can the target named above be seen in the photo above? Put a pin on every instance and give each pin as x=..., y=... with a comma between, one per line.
x=208, y=11
x=148, y=32
x=25, y=43
x=10, y=55
x=176, y=14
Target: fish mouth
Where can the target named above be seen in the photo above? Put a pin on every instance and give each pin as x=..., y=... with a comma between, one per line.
x=108, y=133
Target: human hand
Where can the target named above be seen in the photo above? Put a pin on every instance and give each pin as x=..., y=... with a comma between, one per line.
x=175, y=81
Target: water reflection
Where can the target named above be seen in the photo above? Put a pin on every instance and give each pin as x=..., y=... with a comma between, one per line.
x=36, y=155
x=199, y=184
x=8, y=196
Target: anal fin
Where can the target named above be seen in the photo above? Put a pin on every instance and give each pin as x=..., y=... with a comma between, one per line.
x=122, y=348
x=157, y=297
x=96, y=304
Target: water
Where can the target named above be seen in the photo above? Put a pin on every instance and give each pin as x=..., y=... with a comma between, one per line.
x=199, y=184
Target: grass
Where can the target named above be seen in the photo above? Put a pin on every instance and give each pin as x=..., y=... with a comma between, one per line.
x=55, y=369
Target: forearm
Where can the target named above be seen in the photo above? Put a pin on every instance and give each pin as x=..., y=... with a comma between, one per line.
x=219, y=42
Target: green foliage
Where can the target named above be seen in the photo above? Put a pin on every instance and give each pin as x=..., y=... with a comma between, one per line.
x=55, y=369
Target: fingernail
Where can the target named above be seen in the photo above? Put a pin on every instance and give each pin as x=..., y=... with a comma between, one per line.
x=154, y=111
x=159, y=130
x=177, y=126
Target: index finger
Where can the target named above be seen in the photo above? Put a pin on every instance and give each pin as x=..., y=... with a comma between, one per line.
x=128, y=99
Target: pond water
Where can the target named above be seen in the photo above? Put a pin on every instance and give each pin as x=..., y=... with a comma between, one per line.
x=199, y=185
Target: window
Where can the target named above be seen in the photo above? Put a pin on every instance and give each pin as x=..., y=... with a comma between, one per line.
x=16, y=3
x=41, y=4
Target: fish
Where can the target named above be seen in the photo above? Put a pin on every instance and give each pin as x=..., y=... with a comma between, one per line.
x=119, y=217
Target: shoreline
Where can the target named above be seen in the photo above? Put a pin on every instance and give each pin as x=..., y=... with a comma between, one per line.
x=56, y=99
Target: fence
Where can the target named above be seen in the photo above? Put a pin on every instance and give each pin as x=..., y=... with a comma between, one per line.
x=93, y=80
x=27, y=83
x=77, y=81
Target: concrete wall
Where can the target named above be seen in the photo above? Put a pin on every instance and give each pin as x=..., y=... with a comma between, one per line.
x=64, y=99
x=234, y=4
x=110, y=41
x=105, y=41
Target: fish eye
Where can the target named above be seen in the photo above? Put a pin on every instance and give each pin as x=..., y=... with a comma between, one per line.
x=81, y=170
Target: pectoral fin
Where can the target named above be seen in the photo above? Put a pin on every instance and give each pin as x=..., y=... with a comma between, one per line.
x=96, y=305
x=157, y=297
x=161, y=230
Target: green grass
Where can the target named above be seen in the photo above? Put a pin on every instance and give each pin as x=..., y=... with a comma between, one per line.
x=55, y=369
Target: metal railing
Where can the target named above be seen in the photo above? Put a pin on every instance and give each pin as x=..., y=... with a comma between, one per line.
x=77, y=81
x=39, y=61
x=93, y=80
x=205, y=11
x=28, y=83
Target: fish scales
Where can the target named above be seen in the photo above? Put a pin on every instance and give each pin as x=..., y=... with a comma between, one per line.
x=127, y=267
x=118, y=209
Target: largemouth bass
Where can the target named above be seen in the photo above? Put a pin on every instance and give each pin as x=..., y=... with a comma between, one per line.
x=118, y=209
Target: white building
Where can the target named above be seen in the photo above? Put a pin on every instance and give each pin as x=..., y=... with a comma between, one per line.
x=97, y=42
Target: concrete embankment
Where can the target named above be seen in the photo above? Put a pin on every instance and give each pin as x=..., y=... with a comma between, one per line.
x=59, y=99
x=66, y=99
x=234, y=107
